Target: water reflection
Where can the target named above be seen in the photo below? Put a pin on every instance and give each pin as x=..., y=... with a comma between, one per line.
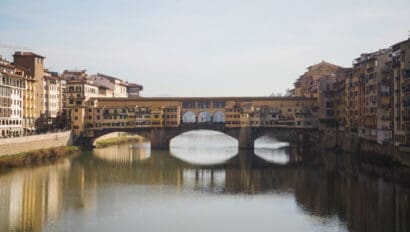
x=272, y=150
x=204, y=147
x=29, y=198
x=111, y=190
x=124, y=153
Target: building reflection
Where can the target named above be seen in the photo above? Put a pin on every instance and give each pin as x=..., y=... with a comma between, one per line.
x=30, y=197
x=326, y=186
x=124, y=153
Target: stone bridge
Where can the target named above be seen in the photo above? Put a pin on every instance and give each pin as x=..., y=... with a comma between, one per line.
x=160, y=137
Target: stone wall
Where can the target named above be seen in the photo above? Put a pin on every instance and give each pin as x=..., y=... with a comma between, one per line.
x=338, y=140
x=35, y=142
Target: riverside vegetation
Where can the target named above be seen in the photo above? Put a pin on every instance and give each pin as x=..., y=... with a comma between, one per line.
x=27, y=158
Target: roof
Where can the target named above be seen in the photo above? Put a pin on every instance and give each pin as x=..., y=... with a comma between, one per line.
x=401, y=42
x=109, y=77
x=323, y=63
x=75, y=71
x=21, y=53
x=133, y=85
x=370, y=56
x=88, y=82
x=12, y=75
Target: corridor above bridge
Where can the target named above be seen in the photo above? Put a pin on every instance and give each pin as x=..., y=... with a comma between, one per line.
x=97, y=114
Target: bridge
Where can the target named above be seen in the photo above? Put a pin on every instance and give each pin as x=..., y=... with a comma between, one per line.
x=161, y=119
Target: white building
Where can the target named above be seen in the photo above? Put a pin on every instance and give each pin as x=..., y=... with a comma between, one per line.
x=52, y=95
x=11, y=100
x=118, y=86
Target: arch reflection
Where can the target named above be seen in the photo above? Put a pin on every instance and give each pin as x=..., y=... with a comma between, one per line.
x=124, y=153
x=272, y=150
x=204, y=147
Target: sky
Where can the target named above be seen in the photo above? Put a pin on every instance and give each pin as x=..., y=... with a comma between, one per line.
x=201, y=48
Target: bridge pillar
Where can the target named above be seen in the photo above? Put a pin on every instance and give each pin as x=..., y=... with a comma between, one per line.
x=159, y=138
x=246, y=138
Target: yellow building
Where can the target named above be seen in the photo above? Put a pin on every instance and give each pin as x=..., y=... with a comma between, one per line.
x=110, y=113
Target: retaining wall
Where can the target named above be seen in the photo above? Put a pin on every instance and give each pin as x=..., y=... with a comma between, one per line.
x=17, y=145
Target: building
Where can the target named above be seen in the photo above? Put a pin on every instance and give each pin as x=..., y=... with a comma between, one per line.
x=401, y=88
x=33, y=64
x=373, y=91
x=70, y=75
x=12, y=85
x=52, y=106
x=116, y=113
x=118, y=86
x=133, y=90
x=307, y=85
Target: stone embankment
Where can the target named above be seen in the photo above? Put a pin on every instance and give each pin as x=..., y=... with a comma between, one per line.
x=339, y=141
x=18, y=145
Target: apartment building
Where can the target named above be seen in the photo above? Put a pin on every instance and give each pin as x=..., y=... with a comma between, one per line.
x=401, y=88
x=372, y=105
x=52, y=105
x=12, y=85
x=33, y=64
x=307, y=85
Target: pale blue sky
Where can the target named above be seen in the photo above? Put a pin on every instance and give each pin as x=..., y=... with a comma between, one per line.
x=201, y=48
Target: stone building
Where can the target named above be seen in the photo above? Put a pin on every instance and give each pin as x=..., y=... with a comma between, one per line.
x=33, y=64
x=307, y=85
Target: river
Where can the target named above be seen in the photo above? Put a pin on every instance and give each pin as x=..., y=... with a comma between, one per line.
x=203, y=183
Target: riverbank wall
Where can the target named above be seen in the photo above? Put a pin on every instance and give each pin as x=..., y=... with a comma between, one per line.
x=340, y=141
x=18, y=145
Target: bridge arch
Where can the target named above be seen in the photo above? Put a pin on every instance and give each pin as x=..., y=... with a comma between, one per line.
x=189, y=117
x=204, y=117
x=219, y=117
x=204, y=147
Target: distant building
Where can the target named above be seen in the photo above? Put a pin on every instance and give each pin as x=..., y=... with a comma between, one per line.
x=118, y=86
x=70, y=75
x=307, y=85
x=133, y=90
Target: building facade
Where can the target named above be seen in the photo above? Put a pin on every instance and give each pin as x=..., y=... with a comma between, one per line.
x=118, y=86
x=52, y=105
x=373, y=93
x=34, y=66
x=401, y=88
x=12, y=85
